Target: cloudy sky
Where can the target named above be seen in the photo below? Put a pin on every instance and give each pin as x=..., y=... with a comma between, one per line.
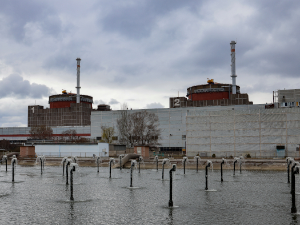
x=142, y=51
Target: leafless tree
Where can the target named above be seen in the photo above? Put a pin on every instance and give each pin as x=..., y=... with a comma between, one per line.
x=107, y=134
x=41, y=132
x=69, y=135
x=138, y=128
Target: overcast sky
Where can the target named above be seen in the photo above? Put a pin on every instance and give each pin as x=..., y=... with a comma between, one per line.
x=142, y=51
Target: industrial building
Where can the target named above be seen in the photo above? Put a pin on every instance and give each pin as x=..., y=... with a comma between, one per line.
x=212, y=119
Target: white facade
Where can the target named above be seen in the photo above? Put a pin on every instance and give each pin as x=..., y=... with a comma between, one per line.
x=236, y=132
x=81, y=150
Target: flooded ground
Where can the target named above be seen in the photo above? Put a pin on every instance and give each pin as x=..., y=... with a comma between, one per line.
x=253, y=197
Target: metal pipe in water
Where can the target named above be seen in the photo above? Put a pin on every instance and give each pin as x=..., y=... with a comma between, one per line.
x=67, y=176
x=197, y=164
x=131, y=168
x=71, y=182
x=64, y=162
x=163, y=165
x=222, y=170
x=171, y=188
x=120, y=157
x=294, y=209
x=41, y=160
x=234, y=167
x=109, y=169
x=13, y=171
x=98, y=164
x=206, y=176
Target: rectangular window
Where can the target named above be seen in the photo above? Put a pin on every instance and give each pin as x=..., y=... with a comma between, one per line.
x=115, y=138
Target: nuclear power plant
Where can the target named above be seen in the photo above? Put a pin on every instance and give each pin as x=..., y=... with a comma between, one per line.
x=212, y=118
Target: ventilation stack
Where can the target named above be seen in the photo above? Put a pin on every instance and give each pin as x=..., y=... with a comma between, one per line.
x=78, y=80
x=233, y=74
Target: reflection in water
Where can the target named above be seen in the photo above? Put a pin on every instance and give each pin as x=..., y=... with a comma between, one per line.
x=72, y=213
x=100, y=200
x=170, y=216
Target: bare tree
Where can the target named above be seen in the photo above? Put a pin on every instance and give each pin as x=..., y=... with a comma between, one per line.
x=107, y=134
x=139, y=128
x=41, y=132
x=70, y=135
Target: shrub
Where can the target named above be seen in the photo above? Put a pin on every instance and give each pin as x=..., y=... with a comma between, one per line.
x=214, y=155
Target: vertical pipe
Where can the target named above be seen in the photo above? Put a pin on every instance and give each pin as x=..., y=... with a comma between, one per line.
x=206, y=176
x=292, y=177
x=120, y=157
x=78, y=80
x=163, y=165
x=171, y=186
x=233, y=73
x=222, y=171
x=98, y=164
x=67, y=176
x=288, y=171
x=240, y=167
x=6, y=164
x=71, y=184
x=294, y=209
x=131, y=168
x=157, y=164
x=139, y=166
x=183, y=166
x=197, y=164
x=41, y=166
x=234, y=167
x=13, y=171
x=64, y=162
x=109, y=169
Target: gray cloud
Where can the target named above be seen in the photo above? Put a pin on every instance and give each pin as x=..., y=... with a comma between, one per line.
x=113, y=102
x=146, y=50
x=154, y=105
x=15, y=86
x=18, y=16
x=98, y=102
x=137, y=19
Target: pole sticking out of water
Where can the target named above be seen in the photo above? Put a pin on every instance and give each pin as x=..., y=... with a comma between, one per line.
x=13, y=163
x=120, y=159
x=171, y=186
x=111, y=161
x=163, y=164
x=294, y=164
x=4, y=158
x=63, y=162
x=241, y=161
x=223, y=161
x=156, y=159
x=184, y=160
x=140, y=160
x=295, y=171
x=133, y=163
x=206, y=175
x=197, y=163
x=41, y=159
x=235, y=161
x=68, y=162
x=289, y=160
x=73, y=169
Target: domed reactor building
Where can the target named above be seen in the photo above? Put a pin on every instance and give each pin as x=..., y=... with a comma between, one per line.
x=213, y=93
x=66, y=109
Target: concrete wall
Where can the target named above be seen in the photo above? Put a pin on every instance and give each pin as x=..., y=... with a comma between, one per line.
x=81, y=150
x=238, y=132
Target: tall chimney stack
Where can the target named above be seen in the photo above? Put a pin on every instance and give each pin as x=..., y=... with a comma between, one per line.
x=233, y=75
x=78, y=80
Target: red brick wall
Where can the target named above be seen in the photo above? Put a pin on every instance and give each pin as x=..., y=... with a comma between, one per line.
x=209, y=96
